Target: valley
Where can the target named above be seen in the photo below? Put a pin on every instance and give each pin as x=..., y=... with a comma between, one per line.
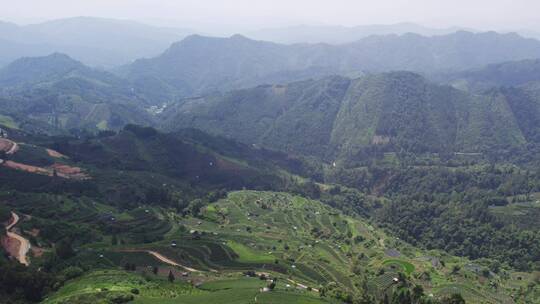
x=310, y=249
x=388, y=164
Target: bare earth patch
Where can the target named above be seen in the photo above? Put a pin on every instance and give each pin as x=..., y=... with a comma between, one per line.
x=69, y=172
x=34, y=232
x=11, y=245
x=37, y=252
x=10, y=147
x=55, y=154
x=63, y=171
x=27, y=168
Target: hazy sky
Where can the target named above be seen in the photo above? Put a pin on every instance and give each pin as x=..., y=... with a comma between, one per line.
x=211, y=15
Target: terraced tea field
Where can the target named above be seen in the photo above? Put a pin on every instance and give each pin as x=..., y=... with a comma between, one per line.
x=294, y=237
x=303, y=243
x=114, y=286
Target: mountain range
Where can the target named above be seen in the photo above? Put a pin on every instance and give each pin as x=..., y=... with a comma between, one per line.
x=198, y=64
x=329, y=117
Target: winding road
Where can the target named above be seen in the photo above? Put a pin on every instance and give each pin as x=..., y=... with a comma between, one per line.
x=13, y=149
x=163, y=259
x=24, y=244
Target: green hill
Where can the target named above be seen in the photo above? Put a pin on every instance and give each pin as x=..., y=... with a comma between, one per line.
x=56, y=93
x=339, y=117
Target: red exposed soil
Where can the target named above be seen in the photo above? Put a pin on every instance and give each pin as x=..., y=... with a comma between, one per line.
x=62, y=170
x=11, y=245
x=34, y=232
x=27, y=168
x=37, y=251
x=55, y=154
x=10, y=147
x=69, y=172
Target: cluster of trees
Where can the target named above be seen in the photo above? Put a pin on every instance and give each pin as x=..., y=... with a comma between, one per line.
x=461, y=228
x=5, y=214
x=21, y=284
x=446, y=208
x=401, y=292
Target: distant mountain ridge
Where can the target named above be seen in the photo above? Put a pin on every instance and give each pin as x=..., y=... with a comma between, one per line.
x=505, y=74
x=198, y=64
x=334, y=34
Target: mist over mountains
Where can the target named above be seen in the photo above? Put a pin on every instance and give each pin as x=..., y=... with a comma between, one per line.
x=94, y=41
x=108, y=43
x=200, y=64
x=298, y=83
x=341, y=34
x=323, y=165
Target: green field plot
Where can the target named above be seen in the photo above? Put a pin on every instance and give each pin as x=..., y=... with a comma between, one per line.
x=8, y=122
x=246, y=255
x=406, y=267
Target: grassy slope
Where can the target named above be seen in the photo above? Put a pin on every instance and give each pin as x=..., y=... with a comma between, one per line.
x=8, y=122
x=319, y=252
x=289, y=221
x=100, y=286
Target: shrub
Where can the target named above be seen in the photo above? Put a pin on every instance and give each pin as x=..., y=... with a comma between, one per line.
x=72, y=272
x=121, y=298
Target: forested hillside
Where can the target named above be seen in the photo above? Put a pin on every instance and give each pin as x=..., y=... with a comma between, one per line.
x=506, y=74
x=340, y=117
x=55, y=94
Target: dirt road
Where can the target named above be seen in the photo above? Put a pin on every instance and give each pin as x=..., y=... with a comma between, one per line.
x=23, y=244
x=163, y=259
x=9, y=146
x=13, y=149
x=166, y=260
